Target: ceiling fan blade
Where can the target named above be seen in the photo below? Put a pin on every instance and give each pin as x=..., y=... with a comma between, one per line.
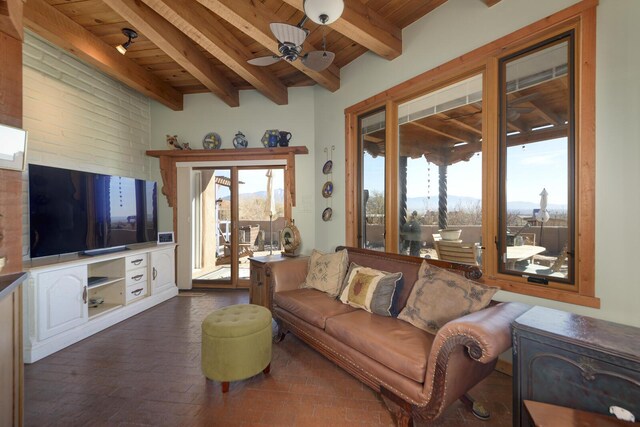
x=263, y=61
x=318, y=60
x=286, y=33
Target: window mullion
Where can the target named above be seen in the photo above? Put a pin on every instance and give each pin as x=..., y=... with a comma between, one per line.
x=391, y=177
x=490, y=168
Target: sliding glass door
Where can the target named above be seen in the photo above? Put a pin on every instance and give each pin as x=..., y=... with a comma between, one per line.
x=237, y=213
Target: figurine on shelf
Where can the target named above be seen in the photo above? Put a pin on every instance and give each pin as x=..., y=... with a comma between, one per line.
x=240, y=141
x=172, y=142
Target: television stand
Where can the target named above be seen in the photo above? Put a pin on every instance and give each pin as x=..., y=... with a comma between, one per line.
x=58, y=297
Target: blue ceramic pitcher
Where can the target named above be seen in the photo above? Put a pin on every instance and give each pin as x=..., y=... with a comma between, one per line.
x=284, y=138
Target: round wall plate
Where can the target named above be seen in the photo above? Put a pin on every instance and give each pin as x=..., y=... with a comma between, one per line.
x=328, y=166
x=327, y=189
x=211, y=141
x=326, y=214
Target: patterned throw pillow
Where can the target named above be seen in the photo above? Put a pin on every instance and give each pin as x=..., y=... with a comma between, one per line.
x=371, y=289
x=439, y=296
x=326, y=271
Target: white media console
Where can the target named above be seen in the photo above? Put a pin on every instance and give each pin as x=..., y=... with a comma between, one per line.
x=62, y=294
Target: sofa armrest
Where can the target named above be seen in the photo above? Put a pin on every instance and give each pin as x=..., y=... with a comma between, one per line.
x=465, y=351
x=288, y=275
x=487, y=332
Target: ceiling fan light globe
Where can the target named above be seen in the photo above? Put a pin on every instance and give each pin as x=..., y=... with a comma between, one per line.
x=323, y=12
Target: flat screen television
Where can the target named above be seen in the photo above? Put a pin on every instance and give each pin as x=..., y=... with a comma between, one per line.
x=74, y=211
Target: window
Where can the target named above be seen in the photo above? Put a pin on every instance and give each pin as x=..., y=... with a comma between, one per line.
x=536, y=160
x=498, y=144
x=372, y=205
x=440, y=167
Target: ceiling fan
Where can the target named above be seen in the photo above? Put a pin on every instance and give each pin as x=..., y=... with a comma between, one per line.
x=290, y=37
x=290, y=40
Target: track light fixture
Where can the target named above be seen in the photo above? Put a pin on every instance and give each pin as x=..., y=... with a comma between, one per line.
x=131, y=34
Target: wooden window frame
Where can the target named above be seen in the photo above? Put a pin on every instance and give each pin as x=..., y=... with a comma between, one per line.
x=581, y=18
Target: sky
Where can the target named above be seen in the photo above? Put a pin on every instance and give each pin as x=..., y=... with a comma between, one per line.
x=254, y=180
x=529, y=170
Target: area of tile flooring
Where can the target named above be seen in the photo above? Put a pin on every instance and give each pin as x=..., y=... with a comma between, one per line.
x=146, y=371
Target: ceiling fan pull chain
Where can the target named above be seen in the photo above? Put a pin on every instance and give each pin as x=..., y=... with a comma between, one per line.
x=324, y=39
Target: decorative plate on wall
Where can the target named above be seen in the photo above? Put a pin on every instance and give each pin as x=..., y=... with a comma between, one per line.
x=327, y=189
x=326, y=214
x=211, y=141
x=328, y=166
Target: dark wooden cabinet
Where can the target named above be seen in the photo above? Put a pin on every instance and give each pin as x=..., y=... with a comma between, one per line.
x=259, y=292
x=574, y=361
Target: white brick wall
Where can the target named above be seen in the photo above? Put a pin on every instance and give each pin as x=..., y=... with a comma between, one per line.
x=79, y=118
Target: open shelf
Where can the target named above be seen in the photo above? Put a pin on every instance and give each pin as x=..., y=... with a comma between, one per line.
x=104, y=282
x=103, y=308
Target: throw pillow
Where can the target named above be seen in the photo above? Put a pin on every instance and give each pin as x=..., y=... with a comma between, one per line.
x=326, y=271
x=371, y=289
x=439, y=296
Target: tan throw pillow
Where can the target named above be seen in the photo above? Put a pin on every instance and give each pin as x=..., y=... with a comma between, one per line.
x=439, y=296
x=326, y=271
x=371, y=289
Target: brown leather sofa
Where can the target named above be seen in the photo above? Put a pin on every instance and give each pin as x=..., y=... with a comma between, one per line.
x=417, y=373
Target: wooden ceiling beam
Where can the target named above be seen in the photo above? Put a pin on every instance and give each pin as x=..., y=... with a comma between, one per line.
x=11, y=18
x=54, y=26
x=545, y=114
x=461, y=124
x=536, y=135
x=194, y=20
x=252, y=18
x=177, y=45
x=365, y=26
x=449, y=132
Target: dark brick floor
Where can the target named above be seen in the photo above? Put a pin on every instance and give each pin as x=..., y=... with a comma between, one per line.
x=146, y=371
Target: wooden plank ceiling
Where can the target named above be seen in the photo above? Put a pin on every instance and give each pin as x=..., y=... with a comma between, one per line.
x=194, y=46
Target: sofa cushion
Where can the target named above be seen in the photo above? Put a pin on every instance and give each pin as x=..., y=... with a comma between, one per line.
x=326, y=271
x=439, y=296
x=310, y=305
x=370, y=289
x=393, y=343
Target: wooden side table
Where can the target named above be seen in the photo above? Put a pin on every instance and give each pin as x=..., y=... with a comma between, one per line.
x=574, y=361
x=259, y=291
x=544, y=414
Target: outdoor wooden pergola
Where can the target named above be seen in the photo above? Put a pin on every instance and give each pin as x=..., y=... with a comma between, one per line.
x=537, y=112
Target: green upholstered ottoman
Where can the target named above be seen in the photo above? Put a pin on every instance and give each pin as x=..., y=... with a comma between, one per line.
x=236, y=343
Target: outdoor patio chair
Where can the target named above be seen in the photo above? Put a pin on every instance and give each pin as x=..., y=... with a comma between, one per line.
x=460, y=252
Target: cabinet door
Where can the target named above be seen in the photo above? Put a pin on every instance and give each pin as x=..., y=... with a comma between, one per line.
x=257, y=291
x=61, y=300
x=163, y=271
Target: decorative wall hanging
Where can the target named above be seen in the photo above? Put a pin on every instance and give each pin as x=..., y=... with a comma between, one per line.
x=211, y=141
x=327, y=188
x=270, y=138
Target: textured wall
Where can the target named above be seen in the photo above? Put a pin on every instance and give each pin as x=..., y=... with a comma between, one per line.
x=79, y=118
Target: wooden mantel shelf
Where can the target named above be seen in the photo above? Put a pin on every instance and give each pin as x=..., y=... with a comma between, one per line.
x=169, y=159
x=240, y=153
